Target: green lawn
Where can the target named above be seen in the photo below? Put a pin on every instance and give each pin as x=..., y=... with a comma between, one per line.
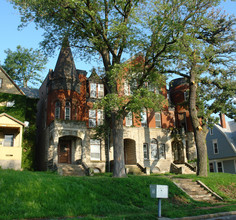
x=36, y=195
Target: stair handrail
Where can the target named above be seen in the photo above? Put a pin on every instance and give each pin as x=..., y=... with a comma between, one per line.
x=87, y=169
x=190, y=166
x=209, y=190
x=176, y=169
x=141, y=167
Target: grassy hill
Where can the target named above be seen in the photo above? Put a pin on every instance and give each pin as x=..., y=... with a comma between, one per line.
x=45, y=195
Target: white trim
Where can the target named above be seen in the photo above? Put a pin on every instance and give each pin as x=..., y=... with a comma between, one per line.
x=219, y=161
x=214, y=141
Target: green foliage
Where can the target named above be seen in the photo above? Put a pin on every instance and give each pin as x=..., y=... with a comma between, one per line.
x=46, y=195
x=24, y=65
x=17, y=111
x=23, y=110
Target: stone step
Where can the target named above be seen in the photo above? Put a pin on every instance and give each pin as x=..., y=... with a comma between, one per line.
x=194, y=190
x=71, y=170
x=133, y=169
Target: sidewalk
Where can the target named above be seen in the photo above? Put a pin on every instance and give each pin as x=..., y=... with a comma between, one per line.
x=216, y=216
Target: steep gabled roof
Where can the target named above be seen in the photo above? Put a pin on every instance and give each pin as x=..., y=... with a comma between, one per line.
x=65, y=67
x=94, y=75
x=5, y=73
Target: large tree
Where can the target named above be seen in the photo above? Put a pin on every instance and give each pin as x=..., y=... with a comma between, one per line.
x=205, y=56
x=24, y=65
x=110, y=29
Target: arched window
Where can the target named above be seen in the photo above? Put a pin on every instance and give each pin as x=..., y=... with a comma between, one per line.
x=67, y=110
x=154, y=154
x=57, y=109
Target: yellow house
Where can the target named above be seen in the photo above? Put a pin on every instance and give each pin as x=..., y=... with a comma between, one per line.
x=11, y=131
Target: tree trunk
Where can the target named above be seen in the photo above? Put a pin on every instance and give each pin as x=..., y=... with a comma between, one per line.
x=199, y=134
x=118, y=146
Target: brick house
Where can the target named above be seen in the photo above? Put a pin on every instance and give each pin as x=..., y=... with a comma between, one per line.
x=66, y=121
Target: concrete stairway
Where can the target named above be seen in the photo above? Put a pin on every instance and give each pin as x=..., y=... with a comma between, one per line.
x=182, y=168
x=71, y=170
x=185, y=169
x=197, y=190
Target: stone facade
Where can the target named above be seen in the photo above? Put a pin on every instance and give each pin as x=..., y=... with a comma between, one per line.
x=66, y=122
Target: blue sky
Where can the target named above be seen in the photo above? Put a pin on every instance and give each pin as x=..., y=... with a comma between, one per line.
x=29, y=37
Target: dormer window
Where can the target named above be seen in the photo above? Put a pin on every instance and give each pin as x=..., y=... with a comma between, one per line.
x=67, y=110
x=57, y=109
x=96, y=90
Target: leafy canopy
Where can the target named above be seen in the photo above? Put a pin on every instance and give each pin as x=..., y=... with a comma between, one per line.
x=24, y=65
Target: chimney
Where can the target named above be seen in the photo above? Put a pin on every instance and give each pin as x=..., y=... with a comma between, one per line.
x=222, y=120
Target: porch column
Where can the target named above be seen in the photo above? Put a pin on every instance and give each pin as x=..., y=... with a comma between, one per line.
x=55, y=149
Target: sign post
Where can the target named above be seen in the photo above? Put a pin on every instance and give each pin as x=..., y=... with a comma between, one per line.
x=159, y=192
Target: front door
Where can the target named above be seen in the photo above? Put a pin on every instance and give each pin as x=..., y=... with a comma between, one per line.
x=178, y=152
x=129, y=151
x=64, y=151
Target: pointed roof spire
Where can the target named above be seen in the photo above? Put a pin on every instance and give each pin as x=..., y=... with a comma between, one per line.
x=65, y=67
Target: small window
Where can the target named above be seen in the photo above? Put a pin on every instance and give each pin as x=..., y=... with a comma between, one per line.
x=10, y=104
x=67, y=110
x=211, y=167
x=215, y=147
x=95, y=149
x=93, y=90
x=158, y=119
x=8, y=140
x=129, y=119
x=92, y=118
x=100, y=117
x=57, y=109
x=211, y=131
x=154, y=154
x=162, y=151
x=219, y=167
x=100, y=90
x=1, y=80
x=145, y=151
x=144, y=118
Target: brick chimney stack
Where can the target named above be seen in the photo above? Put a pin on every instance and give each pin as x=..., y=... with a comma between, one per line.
x=222, y=120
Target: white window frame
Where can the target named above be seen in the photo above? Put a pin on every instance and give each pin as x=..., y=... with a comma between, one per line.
x=7, y=140
x=129, y=119
x=57, y=109
x=158, y=120
x=100, y=90
x=154, y=149
x=211, y=131
x=92, y=118
x=95, y=149
x=143, y=115
x=222, y=166
x=215, y=146
x=145, y=151
x=162, y=151
x=213, y=170
x=100, y=117
x=67, y=110
x=93, y=90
